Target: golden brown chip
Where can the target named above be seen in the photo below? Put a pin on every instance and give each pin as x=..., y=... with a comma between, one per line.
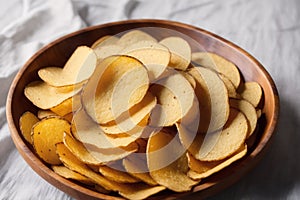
x=78, y=68
x=252, y=92
x=202, y=169
x=45, y=96
x=168, y=166
x=135, y=36
x=219, y=64
x=46, y=134
x=248, y=110
x=154, y=56
x=180, y=52
x=175, y=97
x=45, y=113
x=229, y=139
x=130, y=191
x=69, y=174
x=26, y=122
x=117, y=175
x=230, y=87
x=64, y=107
x=189, y=78
x=115, y=77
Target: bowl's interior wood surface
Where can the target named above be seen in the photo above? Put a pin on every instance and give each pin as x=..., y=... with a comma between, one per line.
x=56, y=54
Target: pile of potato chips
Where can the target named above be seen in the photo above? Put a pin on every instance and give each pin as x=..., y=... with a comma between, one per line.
x=137, y=116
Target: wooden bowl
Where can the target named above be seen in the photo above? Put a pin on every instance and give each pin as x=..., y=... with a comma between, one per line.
x=56, y=54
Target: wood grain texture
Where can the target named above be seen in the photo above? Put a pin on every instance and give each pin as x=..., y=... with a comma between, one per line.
x=56, y=54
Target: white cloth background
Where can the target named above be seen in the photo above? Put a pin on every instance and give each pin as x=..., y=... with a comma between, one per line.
x=268, y=29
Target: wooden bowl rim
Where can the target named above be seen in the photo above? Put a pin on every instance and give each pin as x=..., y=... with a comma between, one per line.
x=67, y=185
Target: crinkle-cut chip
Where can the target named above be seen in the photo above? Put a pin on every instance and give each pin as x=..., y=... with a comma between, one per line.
x=26, y=122
x=217, y=102
x=130, y=191
x=189, y=78
x=70, y=174
x=219, y=64
x=174, y=96
x=108, y=50
x=115, y=77
x=105, y=40
x=230, y=139
x=87, y=131
x=117, y=175
x=248, y=110
x=202, y=169
x=45, y=96
x=136, y=166
x=46, y=134
x=135, y=36
x=180, y=52
x=78, y=68
x=252, y=92
x=154, y=56
x=133, y=117
x=230, y=87
x=67, y=106
x=45, y=113
x=172, y=175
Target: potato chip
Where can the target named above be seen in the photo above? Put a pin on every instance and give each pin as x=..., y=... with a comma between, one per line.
x=252, y=92
x=66, y=106
x=46, y=134
x=45, y=96
x=108, y=50
x=136, y=166
x=231, y=138
x=69, y=117
x=259, y=113
x=175, y=98
x=26, y=122
x=172, y=175
x=248, y=110
x=130, y=119
x=230, y=87
x=216, y=104
x=105, y=40
x=78, y=68
x=115, y=77
x=45, y=113
x=135, y=36
x=69, y=174
x=189, y=78
x=180, y=52
x=219, y=64
x=117, y=175
x=89, y=132
x=130, y=191
x=154, y=56
x=202, y=169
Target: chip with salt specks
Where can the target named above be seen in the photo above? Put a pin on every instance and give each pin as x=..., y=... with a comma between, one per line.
x=180, y=52
x=218, y=63
x=201, y=169
x=175, y=97
x=78, y=68
x=154, y=56
x=46, y=134
x=171, y=175
x=115, y=77
x=26, y=122
x=232, y=93
x=45, y=96
x=67, y=106
x=135, y=36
